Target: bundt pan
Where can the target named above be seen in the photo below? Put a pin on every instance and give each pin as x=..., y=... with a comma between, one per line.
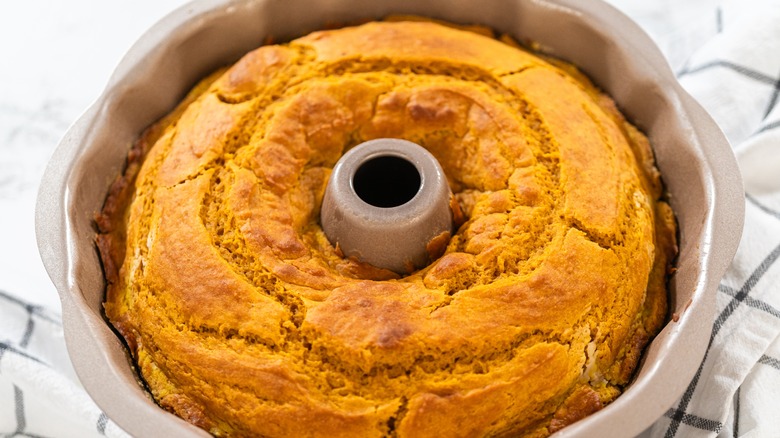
x=693, y=155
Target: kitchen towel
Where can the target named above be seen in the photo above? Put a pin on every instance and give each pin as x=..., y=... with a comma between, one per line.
x=734, y=72
x=39, y=393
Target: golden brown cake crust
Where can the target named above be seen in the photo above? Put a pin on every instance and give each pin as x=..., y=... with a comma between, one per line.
x=244, y=320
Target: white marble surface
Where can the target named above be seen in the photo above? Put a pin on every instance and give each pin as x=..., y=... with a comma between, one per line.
x=56, y=57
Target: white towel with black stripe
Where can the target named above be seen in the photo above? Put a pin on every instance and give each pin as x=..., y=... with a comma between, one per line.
x=727, y=53
x=39, y=392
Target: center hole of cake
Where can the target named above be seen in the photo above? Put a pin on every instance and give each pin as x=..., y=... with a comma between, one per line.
x=386, y=181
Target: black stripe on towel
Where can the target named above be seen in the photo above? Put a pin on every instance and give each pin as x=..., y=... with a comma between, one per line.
x=28, y=331
x=21, y=421
x=769, y=127
x=771, y=361
x=744, y=71
x=736, y=413
x=679, y=414
x=761, y=206
x=102, y=422
x=773, y=99
x=696, y=421
x=752, y=302
x=6, y=347
x=32, y=308
x=719, y=19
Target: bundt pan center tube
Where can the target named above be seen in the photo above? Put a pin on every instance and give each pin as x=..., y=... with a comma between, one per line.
x=692, y=154
x=387, y=203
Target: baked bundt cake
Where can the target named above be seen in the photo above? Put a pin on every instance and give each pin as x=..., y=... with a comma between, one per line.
x=243, y=319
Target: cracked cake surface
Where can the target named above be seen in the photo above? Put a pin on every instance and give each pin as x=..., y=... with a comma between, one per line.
x=244, y=320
